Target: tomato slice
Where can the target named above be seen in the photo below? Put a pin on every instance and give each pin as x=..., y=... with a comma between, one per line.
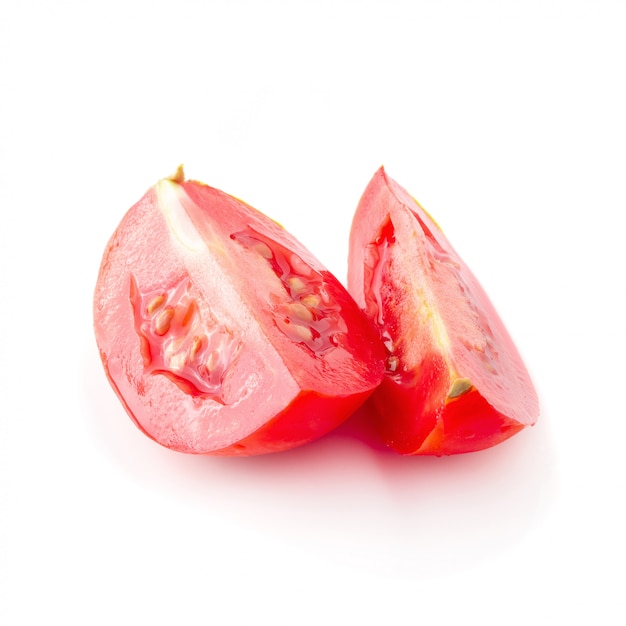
x=220, y=333
x=454, y=380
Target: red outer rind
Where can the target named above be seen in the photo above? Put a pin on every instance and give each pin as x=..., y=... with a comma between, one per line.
x=468, y=424
x=413, y=412
x=304, y=420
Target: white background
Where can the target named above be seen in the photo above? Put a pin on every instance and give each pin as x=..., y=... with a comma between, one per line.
x=506, y=121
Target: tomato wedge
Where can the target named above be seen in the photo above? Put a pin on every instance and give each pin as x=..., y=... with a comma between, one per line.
x=454, y=380
x=220, y=333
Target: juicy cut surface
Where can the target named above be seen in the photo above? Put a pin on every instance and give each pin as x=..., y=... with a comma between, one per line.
x=445, y=342
x=221, y=333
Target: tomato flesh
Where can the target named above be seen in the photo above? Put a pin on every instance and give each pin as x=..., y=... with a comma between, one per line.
x=221, y=333
x=454, y=380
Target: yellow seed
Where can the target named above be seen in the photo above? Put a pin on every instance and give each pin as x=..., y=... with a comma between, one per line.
x=191, y=311
x=214, y=362
x=163, y=321
x=263, y=249
x=299, y=266
x=312, y=301
x=301, y=332
x=195, y=348
x=155, y=304
x=296, y=284
x=301, y=312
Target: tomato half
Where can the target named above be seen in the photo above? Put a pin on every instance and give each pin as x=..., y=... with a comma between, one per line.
x=454, y=380
x=220, y=333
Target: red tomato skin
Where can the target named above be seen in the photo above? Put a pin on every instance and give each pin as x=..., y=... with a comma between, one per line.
x=300, y=423
x=467, y=424
x=294, y=354
x=449, y=335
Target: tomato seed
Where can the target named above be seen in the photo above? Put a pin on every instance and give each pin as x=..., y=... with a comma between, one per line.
x=296, y=285
x=301, y=333
x=459, y=387
x=301, y=312
x=312, y=301
x=190, y=313
x=164, y=321
x=155, y=304
x=195, y=348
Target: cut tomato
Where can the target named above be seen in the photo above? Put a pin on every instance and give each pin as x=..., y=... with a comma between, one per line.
x=220, y=333
x=454, y=380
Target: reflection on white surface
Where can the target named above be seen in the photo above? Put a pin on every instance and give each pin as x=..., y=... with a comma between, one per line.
x=344, y=498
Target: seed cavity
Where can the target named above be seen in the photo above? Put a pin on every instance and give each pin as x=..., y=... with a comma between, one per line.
x=376, y=260
x=307, y=314
x=183, y=341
